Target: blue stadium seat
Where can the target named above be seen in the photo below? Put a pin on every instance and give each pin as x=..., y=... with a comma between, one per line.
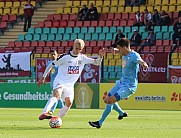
x=84, y=30
x=88, y=36
x=95, y=36
x=61, y=30
x=91, y=30
x=81, y=36
x=46, y=30
x=68, y=30
x=113, y=30
x=98, y=29
x=51, y=37
x=76, y=30
x=38, y=30
x=58, y=37
x=53, y=30
x=20, y=37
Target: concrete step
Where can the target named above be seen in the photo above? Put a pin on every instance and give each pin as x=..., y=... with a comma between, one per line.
x=6, y=38
x=11, y=33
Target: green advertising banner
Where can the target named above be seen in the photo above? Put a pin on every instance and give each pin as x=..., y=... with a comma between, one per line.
x=30, y=96
x=24, y=95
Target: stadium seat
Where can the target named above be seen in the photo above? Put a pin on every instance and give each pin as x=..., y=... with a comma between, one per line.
x=71, y=23
x=51, y=37
x=57, y=43
x=102, y=36
x=58, y=37
x=116, y=23
x=105, y=30
x=76, y=3
x=113, y=9
x=19, y=44
x=123, y=23
x=87, y=43
x=56, y=24
x=73, y=17
x=101, y=23
x=158, y=42
x=63, y=23
x=73, y=36
x=76, y=30
x=106, y=74
x=166, y=42
x=99, y=3
x=65, y=16
x=79, y=24
x=68, y=30
x=81, y=36
x=167, y=48
x=100, y=43
x=120, y=9
x=109, y=36
x=94, y=23
x=50, y=17
x=95, y=36
x=86, y=24
x=105, y=9
x=88, y=36
x=124, y=16
x=93, y=43
x=48, y=24
x=75, y=10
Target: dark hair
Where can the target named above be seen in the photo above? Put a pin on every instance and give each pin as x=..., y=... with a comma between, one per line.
x=53, y=51
x=123, y=42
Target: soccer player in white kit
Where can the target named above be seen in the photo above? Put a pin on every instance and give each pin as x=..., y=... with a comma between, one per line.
x=70, y=66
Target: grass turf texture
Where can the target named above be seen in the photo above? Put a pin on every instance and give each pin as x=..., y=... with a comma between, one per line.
x=24, y=123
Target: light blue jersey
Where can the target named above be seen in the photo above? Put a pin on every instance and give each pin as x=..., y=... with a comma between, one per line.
x=53, y=73
x=127, y=85
x=130, y=68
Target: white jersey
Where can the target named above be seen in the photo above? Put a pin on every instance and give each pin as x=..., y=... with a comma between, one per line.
x=70, y=67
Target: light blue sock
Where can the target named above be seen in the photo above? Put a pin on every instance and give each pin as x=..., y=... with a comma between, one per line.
x=106, y=112
x=117, y=108
x=60, y=103
x=54, y=106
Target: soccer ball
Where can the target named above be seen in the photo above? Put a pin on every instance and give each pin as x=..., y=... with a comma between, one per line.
x=55, y=122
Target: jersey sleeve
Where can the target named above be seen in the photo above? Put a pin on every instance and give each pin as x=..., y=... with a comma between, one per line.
x=60, y=60
x=87, y=60
x=137, y=58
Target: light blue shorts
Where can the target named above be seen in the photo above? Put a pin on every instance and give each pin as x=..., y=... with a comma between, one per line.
x=121, y=91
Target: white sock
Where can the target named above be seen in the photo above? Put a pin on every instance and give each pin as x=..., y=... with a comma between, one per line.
x=63, y=111
x=49, y=104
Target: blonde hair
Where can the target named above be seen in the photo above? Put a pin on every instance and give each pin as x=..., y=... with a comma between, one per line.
x=81, y=42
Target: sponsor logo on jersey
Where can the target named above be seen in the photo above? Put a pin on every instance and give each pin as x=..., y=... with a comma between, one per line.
x=73, y=70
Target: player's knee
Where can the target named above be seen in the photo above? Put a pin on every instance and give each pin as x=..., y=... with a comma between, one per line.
x=69, y=104
x=56, y=94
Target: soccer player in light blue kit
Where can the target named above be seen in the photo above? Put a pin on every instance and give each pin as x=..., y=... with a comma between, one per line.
x=124, y=87
x=53, y=74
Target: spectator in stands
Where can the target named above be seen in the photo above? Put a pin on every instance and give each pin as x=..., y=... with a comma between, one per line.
x=82, y=13
x=119, y=35
x=179, y=14
x=150, y=40
x=177, y=32
x=139, y=19
x=147, y=19
x=164, y=18
x=156, y=18
x=92, y=13
x=134, y=2
x=28, y=14
x=135, y=39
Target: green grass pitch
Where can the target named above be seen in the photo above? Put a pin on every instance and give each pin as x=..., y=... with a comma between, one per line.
x=24, y=123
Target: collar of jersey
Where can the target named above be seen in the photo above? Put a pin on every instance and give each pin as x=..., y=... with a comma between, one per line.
x=72, y=54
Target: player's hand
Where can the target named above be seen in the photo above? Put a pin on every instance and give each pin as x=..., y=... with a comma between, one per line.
x=41, y=81
x=145, y=65
x=102, y=52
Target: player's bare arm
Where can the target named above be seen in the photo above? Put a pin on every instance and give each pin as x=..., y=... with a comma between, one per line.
x=143, y=64
x=102, y=52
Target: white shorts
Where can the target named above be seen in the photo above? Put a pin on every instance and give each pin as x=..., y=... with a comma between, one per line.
x=66, y=91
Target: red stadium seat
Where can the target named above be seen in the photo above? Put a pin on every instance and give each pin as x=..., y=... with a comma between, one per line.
x=130, y=23
x=39, y=50
x=102, y=23
x=166, y=42
x=73, y=17
x=5, y=17
x=110, y=16
x=34, y=43
x=159, y=48
x=61, y=50
x=109, y=23
x=94, y=23
x=46, y=50
x=57, y=17
x=19, y=44
x=50, y=17
x=86, y=24
x=65, y=43
x=100, y=43
x=96, y=49
x=87, y=43
x=153, y=49
x=79, y=24
x=49, y=43
x=67, y=49
x=124, y=16
x=117, y=16
x=103, y=16
x=3, y=25
x=71, y=24
x=88, y=50
x=167, y=48
x=71, y=43
x=57, y=43
x=41, y=24
x=11, y=44
x=146, y=49
x=132, y=16
x=41, y=44
x=63, y=23
x=65, y=17
x=56, y=24
x=26, y=44
x=48, y=24
x=175, y=15
x=108, y=43
x=123, y=23
x=13, y=18
x=93, y=43
x=116, y=23
x=158, y=42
